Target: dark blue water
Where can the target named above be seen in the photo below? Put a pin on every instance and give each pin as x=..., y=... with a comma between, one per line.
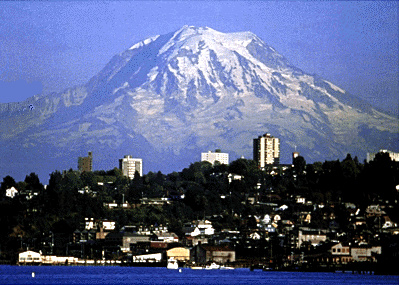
x=135, y=275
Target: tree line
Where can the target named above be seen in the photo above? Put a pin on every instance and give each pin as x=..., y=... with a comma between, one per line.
x=200, y=190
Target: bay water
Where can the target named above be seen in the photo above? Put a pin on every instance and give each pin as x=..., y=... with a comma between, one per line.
x=153, y=275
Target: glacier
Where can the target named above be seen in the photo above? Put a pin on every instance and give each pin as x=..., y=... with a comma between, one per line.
x=170, y=97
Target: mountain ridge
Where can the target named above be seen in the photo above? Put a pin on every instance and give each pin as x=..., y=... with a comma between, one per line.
x=171, y=97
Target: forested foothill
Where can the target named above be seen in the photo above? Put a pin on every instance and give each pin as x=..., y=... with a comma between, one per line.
x=232, y=196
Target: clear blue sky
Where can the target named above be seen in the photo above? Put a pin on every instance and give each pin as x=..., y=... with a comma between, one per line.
x=49, y=46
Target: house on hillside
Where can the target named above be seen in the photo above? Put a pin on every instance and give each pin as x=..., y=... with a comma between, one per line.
x=232, y=176
x=373, y=211
x=312, y=236
x=205, y=227
x=341, y=254
x=201, y=227
x=168, y=237
x=11, y=192
x=194, y=240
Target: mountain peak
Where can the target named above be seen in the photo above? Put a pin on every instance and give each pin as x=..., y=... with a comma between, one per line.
x=187, y=32
x=188, y=28
x=190, y=31
x=169, y=97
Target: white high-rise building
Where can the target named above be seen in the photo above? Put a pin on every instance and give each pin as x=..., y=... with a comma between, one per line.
x=211, y=157
x=393, y=155
x=266, y=150
x=130, y=165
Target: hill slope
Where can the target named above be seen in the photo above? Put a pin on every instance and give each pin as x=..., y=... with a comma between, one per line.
x=171, y=97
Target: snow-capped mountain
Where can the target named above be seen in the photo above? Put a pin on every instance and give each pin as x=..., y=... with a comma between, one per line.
x=170, y=97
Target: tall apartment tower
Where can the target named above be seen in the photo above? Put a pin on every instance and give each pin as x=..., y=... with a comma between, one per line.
x=211, y=157
x=266, y=150
x=85, y=164
x=130, y=165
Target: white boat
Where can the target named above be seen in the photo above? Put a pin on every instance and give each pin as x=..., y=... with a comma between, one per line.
x=213, y=265
x=172, y=264
x=226, y=267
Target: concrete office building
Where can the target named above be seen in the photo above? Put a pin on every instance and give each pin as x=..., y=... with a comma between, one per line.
x=212, y=157
x=130, y=165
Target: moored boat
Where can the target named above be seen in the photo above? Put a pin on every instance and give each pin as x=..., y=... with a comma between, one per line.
x=226, y=267
x=213, y=265
x=172, y=264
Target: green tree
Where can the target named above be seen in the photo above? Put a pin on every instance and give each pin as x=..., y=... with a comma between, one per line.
x=331, y=179
x=196, y=172
x=71, y=181
x=248, y=170
x=299, y=164
x=88, y=178
x=239, y=166
x=114, y=172
x=33, y=182
x=381, y=176
x=195, y=197
x=7, y=183
x=350, y=173
x=136, y=188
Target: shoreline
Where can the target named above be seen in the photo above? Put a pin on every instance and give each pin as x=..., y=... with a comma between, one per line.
x=355, y=269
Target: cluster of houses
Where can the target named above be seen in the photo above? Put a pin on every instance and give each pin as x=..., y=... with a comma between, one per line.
x=141, y=246
x=200, y=243
x=28, y=194
x=287, y=232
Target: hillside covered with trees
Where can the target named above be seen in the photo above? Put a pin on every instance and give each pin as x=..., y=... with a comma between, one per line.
x=198, y=191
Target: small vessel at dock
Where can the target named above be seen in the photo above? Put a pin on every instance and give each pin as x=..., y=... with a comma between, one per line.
x=226, y=267
x=172, y=264
x=213, y=265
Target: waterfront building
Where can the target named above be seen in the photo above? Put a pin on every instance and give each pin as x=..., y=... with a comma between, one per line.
x=212, y=157
x=266, y=150
x=130, y=165
x=202, y=254
x=179, y=253
x=29, y=257
x=343, y=254
x=85, y=164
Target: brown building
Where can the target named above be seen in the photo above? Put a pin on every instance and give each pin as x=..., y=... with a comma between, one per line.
x=85, y=164
x=202, y=254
